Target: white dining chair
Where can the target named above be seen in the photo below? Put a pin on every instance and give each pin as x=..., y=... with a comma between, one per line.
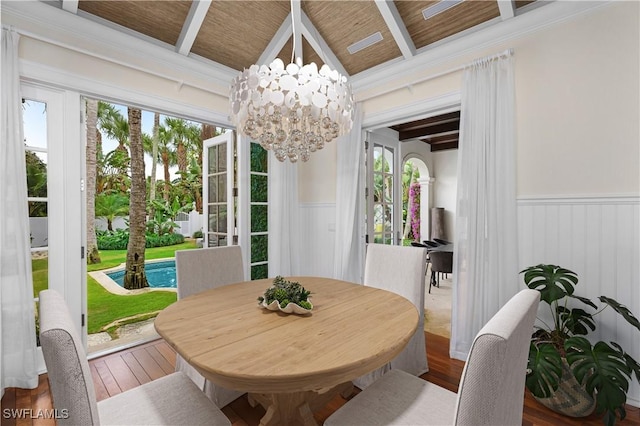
x=197, y=271
x=491, y=390
x=402, y=271
x=170, y=400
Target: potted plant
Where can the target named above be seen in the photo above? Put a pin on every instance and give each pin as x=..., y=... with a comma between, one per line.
x=559, y=352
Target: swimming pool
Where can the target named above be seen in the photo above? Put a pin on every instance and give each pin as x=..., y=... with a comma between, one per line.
x=159, y=274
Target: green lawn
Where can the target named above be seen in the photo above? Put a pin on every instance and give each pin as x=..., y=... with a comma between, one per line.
x=104, y=307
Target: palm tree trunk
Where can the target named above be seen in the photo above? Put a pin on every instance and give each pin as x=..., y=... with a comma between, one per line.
x=165, y=163
x=135, y=276
x=93, y=255
x=154, y=162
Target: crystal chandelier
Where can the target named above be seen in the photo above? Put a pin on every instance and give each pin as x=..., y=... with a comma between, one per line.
x=292, y=110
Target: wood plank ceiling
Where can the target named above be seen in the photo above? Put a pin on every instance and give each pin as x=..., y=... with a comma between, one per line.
x=239, y=33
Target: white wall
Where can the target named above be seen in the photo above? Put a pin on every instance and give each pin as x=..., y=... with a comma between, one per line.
x=445, y=169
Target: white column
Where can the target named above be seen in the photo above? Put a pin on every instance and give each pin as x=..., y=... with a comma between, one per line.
x=425, y=207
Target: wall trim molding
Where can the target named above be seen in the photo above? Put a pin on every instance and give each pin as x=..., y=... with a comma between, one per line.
x=423, y=108
x=617, y=199
x=87, y=86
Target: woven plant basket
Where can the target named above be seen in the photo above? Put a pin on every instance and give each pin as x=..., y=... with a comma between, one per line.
x=571, y=398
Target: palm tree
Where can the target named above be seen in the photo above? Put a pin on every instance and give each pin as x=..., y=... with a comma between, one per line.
x=154, y=158
x=167, y=156
x=93, y=255
x=135, y=276
x=184, y=136
x=110, y=205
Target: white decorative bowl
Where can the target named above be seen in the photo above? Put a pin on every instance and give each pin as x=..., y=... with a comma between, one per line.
x=291, y=308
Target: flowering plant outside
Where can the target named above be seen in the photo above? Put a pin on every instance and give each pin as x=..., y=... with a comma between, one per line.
x=414, y=212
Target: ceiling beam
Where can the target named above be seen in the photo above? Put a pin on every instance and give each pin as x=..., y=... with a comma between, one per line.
x=431, y=130
x=394, y=22
x=444, y=146
x=296, y=14
x=277, y=42
x=70, y=6
x=426, y=122
x=191, y=26
x=507, y=9
x=321, y=47
x=454, y=136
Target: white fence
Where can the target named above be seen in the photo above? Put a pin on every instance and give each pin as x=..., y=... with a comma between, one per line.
x=187, y=225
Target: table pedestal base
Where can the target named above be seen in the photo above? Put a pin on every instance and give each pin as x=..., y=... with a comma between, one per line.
x=296, y=408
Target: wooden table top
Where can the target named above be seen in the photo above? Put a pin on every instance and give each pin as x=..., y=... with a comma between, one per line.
x=233, y=342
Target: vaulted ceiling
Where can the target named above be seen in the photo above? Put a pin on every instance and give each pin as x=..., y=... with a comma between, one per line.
x=356, y=37
x=237, y=33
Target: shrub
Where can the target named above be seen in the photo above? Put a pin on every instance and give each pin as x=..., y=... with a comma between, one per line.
x=118, y=240
x=198, y=234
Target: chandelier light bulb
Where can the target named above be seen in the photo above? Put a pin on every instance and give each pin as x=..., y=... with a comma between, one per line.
x=292, y=110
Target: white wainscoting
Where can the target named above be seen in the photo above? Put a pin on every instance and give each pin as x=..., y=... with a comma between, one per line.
x=318, y=225
x=599, y=239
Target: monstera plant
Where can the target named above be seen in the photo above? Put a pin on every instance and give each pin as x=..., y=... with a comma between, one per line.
x=560, y=351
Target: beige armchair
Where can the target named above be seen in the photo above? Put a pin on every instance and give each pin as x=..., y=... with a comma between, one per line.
x=402, y=271
x=491, y=389
x=170, y=400
x=197, y=271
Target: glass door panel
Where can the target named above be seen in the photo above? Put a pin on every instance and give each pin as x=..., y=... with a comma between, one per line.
x=218, y=191
x=382, y=163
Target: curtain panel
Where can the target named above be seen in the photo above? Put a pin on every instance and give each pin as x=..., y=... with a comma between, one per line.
x=17, y=326
x=348, y=249
x=485, y=266
x=284, y=218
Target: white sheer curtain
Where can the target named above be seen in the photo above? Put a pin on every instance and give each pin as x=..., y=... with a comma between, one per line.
x=284, y=218
x=18, y=342
x=347, y=263
x=485, y=266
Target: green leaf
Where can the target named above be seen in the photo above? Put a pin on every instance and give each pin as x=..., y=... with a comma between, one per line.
x=622, y=310
x=552, y=281
x=602, y=369
x=577, y=321
x=544, y=369
x=584, y=300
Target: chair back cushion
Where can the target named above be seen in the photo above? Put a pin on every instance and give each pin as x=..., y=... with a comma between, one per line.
x=401, y=270
x=67, y=366
x=203, y=269
x=492, y=384
x=441, y=261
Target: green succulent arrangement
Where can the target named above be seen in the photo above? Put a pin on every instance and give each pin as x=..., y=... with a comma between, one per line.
x=603, y=369
x=286, y=292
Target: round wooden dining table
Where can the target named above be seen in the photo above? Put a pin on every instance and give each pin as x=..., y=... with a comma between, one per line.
x=290, y=364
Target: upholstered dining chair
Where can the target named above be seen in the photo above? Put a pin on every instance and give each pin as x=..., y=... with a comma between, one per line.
x=170, y=400
x=402, y=271
x=441, y=263
x=199, y=270
x=491, y=390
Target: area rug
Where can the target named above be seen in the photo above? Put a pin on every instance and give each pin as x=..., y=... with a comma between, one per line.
x=437, y=308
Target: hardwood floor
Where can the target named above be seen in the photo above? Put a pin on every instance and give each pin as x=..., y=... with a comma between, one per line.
x=118, y=372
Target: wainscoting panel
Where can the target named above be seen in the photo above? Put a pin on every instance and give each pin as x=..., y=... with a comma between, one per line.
x=317, y=224
x=599, y=239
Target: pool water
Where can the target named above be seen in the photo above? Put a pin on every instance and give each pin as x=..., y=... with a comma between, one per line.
x=159, y=274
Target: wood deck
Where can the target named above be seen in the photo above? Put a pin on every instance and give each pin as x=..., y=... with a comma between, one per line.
x=129, y=368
